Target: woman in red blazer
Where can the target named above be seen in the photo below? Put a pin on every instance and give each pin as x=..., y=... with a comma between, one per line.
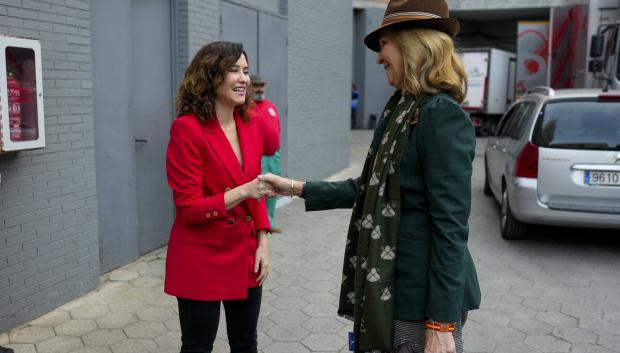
x=218, y=248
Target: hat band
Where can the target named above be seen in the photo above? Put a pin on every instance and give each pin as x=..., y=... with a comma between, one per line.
x=396, y=17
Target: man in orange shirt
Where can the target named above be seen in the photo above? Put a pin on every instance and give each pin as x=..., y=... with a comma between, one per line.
x=268, y=113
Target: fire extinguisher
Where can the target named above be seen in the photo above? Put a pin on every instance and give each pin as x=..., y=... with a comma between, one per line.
x=15, y=107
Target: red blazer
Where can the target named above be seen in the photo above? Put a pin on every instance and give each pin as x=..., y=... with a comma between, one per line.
x=211, y=250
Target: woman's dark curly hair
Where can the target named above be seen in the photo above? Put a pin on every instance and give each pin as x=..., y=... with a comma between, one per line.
x=202, y=78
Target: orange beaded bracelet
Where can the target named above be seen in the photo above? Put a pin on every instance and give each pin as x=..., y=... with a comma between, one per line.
x=440, y=326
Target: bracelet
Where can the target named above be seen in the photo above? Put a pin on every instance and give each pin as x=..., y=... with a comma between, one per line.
x=440, y=326
x=292, y=187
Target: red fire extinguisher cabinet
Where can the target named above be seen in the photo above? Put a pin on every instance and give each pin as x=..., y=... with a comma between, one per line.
x=21, y=94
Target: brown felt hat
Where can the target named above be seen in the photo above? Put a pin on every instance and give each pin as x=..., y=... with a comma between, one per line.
x=432, y=14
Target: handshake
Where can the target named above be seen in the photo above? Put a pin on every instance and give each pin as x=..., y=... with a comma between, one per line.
x=271, y=185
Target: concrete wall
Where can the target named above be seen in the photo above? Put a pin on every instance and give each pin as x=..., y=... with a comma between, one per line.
x=197, y=23
x=319, y=87
x=48, y=212
x=284, y=7
x=364, y=4
x=269, y=6
x=373, y=87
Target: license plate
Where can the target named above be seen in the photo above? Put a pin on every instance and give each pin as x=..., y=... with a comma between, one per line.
x=602, y=178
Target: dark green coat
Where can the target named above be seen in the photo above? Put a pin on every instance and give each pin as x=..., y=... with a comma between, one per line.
x=435, y=275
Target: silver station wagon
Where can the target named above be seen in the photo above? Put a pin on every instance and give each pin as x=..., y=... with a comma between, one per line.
x=555, y=160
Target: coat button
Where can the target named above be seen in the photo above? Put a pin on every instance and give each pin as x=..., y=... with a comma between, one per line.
x=248, y=218
x=227, y=189
x=231, y=221
x=208, y=215
x=214, y=213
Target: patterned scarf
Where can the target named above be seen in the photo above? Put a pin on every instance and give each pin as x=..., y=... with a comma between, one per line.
x=368, y=270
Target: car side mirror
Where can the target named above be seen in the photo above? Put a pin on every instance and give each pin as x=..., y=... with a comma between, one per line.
x=596, y=45
x=595, y=65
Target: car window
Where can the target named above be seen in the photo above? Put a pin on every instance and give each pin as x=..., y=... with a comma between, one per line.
x=521, y=120
x=515, y=122
x=585, y=125
x=507, y=120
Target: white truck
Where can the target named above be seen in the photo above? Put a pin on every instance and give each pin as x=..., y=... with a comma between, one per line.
x=491, y=75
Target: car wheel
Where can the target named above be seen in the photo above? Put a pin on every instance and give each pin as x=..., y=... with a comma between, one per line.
x=512, y=228
x=487, y=187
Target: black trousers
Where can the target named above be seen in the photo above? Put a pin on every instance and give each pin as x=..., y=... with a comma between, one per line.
x=200, y=319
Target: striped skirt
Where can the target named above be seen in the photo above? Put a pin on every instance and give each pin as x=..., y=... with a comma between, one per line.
x=409, y=337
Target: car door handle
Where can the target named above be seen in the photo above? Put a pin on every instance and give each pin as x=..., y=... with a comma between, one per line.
x=141, y=140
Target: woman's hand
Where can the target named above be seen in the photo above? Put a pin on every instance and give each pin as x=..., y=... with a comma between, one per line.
x=262, y=257
x=439, y=342
x=257, y=189
x=280, y=185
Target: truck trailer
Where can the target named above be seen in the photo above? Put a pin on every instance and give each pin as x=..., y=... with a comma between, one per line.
x=491, y=75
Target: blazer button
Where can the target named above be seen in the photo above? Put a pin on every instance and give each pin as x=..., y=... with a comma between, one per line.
x=208, y=215
x=231, y=221
x=214, y=213
x=248, y=218
x=227, y=189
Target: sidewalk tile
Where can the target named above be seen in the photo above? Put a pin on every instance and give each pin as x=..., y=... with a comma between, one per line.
x=59, y=344
x=324, y=342
x=89, y=311
x=31, y=334
x=76, y=327
x=134, y=345
x=51, y=319
x=116, y=320
x=104, y=337
x=145, y=329
x=286, y=347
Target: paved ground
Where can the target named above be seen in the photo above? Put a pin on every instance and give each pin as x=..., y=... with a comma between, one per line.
x=558, y=291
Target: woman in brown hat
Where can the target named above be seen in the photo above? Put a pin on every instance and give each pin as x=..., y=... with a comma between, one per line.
x=409, y=279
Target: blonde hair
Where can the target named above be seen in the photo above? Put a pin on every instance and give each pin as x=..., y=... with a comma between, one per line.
x=431, y=64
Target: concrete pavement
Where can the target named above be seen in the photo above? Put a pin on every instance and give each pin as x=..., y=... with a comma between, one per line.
x=558, y=291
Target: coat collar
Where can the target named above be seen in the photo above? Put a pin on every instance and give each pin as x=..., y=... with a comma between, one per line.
x=216, y=138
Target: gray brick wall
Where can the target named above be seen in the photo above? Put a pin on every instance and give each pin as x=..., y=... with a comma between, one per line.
x=198, y=23
x=270, y=6
x=319, y=87
x=48, y=209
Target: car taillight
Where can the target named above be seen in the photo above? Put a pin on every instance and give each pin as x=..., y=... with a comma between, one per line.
x=609, y=97
x=526, y=165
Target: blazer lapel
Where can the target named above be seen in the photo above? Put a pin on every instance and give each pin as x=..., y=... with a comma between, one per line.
x=245, y=141
x=216, y=138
